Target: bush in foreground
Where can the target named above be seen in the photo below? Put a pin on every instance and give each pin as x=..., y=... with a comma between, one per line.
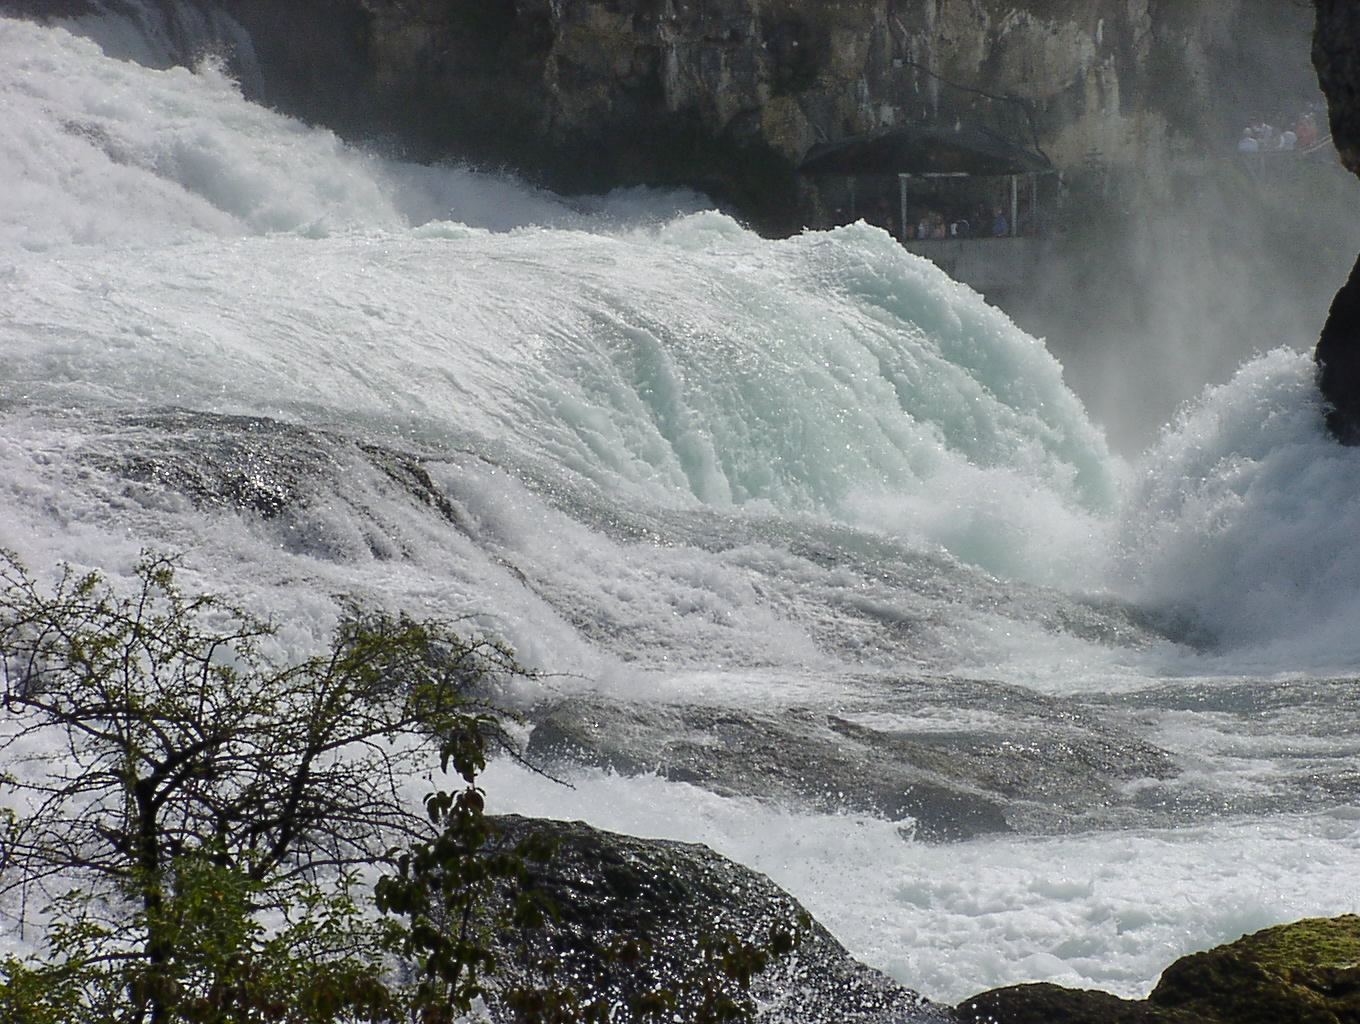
x=194, y=822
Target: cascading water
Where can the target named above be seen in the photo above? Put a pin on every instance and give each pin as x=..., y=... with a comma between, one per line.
x=672, y=462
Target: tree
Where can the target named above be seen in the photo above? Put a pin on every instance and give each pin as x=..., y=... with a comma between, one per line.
x=198, y=818
x=173, y=786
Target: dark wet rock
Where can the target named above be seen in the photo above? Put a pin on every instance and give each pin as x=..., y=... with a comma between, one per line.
x=290, y=477
x=1336, y=56
x=1338, y=358
x=608, y=886
x=1307, y=972
x=1042, y=766
x=1052, y=1004
x=795, y=757
x=250, y=463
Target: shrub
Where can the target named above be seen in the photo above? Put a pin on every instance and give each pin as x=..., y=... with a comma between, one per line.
x=176, y=790
x=194, y=820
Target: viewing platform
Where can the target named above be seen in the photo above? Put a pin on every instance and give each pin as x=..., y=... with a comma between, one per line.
x=973, y=192
x=988, y=265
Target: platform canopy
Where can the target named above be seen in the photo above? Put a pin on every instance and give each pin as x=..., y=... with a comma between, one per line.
x=925, y=149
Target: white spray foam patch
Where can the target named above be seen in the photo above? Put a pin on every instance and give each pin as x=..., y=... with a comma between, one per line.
x=1244, y=521
x=1104, y=910
x=139, y=155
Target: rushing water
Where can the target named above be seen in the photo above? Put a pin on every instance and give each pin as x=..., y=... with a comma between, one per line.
x=677, y=461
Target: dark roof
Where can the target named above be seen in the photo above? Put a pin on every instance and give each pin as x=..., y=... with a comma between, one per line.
x=924, y=149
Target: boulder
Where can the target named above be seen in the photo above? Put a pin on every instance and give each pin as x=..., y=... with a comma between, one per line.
x=1307, y=972
x=675, y=896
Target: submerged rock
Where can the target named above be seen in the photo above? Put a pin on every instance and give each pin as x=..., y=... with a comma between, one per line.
x=293, y=479
x=1017, y=761
x=1307, y=972
x=674, y=895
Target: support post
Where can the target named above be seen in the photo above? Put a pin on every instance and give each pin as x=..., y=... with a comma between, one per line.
x=902, y=207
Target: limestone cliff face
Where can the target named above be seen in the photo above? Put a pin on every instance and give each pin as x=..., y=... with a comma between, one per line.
x=729, y=95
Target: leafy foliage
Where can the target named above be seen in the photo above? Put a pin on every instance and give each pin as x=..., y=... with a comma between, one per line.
x=195, y=820
x=447, y=890
x=194, y=788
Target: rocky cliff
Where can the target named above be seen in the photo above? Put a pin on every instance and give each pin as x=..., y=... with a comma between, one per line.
x=1336, y=54
x=728, y=96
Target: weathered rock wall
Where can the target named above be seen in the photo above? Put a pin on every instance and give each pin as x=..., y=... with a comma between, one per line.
x=729, y=95
x=1336, y=56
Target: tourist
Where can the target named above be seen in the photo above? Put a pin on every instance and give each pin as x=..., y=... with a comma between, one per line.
x=1307, y=129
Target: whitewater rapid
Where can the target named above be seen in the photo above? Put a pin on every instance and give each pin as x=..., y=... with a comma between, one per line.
x=677, y=451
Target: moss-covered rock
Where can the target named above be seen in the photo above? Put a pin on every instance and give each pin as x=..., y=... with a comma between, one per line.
x=1307, y=972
